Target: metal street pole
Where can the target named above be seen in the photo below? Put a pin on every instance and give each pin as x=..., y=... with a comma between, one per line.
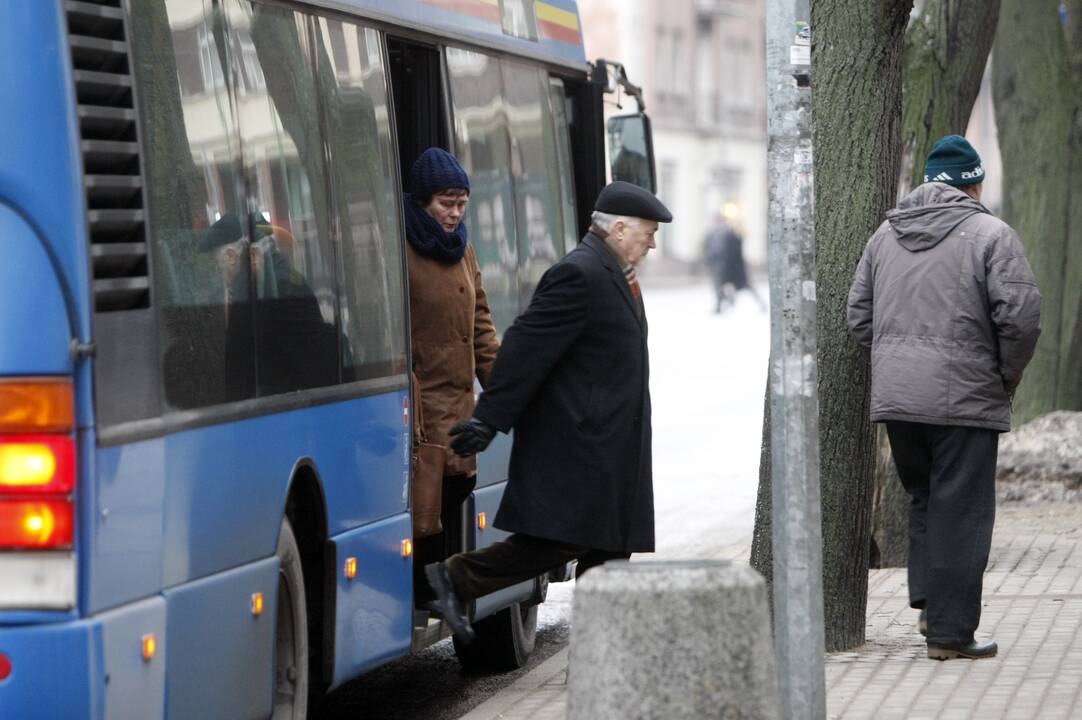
x=794, y=401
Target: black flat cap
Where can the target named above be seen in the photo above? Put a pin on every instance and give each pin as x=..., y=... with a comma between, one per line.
x=225, y=230
x=623, y=198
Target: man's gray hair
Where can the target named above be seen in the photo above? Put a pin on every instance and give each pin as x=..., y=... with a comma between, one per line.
x=605, y=221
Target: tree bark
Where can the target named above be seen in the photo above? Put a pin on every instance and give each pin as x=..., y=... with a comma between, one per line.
x=946, y=52
x=1037, y=79
x=890, y=510
x=762, y=539
x=856, y=107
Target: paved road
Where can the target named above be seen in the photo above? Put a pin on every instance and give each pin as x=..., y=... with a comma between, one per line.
x=431, y=686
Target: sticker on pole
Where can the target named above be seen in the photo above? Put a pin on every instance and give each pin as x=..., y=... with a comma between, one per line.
x=803, y=33
x=800, y=50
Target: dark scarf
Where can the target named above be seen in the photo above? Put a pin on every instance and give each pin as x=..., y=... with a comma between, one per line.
x=429, y=238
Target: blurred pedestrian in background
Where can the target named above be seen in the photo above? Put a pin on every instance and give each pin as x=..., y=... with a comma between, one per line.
x=945, y=300
x=723, y=250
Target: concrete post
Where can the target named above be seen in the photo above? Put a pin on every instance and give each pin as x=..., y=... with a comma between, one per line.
x=672, y=641
x=794, y=401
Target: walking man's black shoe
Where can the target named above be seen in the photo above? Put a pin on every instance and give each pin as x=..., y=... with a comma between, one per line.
x=971, y=651
x=922, y=622
x=447, y=603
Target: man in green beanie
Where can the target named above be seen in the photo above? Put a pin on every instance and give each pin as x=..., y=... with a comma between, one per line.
x=946, y=302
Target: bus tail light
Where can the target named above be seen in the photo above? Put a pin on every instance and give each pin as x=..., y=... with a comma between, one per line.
x=37, y=464
x=36, y=405
x=36, y=524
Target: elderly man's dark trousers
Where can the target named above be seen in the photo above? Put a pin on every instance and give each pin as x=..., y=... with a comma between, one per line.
x=950, y=475
x=515, y=559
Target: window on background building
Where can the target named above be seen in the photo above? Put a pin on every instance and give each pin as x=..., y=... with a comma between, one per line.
x=679, y=69
x=662, y=65
x=706, y=73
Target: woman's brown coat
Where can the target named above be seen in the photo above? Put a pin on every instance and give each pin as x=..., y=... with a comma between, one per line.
x=454, y=341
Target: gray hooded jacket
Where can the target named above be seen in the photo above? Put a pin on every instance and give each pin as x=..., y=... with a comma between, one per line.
x=947, y=303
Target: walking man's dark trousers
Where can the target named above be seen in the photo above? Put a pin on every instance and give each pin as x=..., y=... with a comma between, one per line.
x=950, y=474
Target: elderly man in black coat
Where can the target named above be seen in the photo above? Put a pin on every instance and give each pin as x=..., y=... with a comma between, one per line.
x=572, y=379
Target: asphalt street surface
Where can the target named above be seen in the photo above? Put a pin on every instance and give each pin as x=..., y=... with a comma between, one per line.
x=431, y=685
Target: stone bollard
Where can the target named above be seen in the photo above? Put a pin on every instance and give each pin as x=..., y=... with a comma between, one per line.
x=674, y=640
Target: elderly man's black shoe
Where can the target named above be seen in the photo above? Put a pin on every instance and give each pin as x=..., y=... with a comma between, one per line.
x=447, y=603
x=971, y=651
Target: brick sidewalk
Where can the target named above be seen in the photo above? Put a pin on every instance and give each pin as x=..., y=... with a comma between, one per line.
x=1032, y=608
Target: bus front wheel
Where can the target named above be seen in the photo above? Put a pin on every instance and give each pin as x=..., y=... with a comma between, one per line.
x=291, y=632
x=504, y=641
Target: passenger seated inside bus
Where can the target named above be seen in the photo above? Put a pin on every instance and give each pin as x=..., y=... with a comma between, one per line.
x=286, y=331
x=454, y=339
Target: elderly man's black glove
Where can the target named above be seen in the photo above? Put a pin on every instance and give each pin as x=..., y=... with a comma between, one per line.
x=471, y=436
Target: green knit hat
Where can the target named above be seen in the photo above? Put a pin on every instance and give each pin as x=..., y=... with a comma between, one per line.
x=953, y=161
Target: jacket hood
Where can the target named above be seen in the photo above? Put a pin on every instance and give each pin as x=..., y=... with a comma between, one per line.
x=929, y=213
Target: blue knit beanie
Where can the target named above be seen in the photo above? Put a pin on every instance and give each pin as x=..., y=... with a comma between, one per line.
x=434, y=171
x=953, y=161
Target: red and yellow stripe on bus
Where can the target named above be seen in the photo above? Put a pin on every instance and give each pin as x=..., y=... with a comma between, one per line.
x=556, y=23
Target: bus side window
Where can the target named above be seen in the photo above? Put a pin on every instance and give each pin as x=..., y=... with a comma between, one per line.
x=366, y=199
x=565, y=171
x=538, y=211
x=195, y=206
x=483, y=145
x=293, y=263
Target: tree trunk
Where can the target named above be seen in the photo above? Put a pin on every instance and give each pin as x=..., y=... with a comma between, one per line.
x=856, y=107
x=762, y=539
x=946, y=51
x=1038, y=86
x=890, y=510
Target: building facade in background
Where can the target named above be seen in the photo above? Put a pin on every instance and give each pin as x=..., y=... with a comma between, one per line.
x=702, y=66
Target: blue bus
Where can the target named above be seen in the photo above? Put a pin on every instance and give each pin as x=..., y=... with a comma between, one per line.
x=205, y=469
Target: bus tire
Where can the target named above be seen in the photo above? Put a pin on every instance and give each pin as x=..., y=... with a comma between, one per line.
x=290, y=631
x=504, y=641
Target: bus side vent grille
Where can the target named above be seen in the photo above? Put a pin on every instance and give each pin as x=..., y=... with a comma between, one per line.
x=112, y=167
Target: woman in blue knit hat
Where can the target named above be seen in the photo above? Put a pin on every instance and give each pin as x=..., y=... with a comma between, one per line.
x=454, y=340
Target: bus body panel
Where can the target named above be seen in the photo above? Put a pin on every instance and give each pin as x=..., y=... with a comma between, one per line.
x=165, y=511
x=373, y=612
x=34, y=323
x=122, y=522
x=41, y=167
x=558, y=30
x=134, y=688
x=90, y=669
x=220, y=654
x=487, y=500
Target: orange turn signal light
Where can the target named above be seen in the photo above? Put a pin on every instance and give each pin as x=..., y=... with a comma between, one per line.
x=257, y=604
x=407, y=548
x=350, y=569
x=149, y=646
x=482, y=521
x=36, y=405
